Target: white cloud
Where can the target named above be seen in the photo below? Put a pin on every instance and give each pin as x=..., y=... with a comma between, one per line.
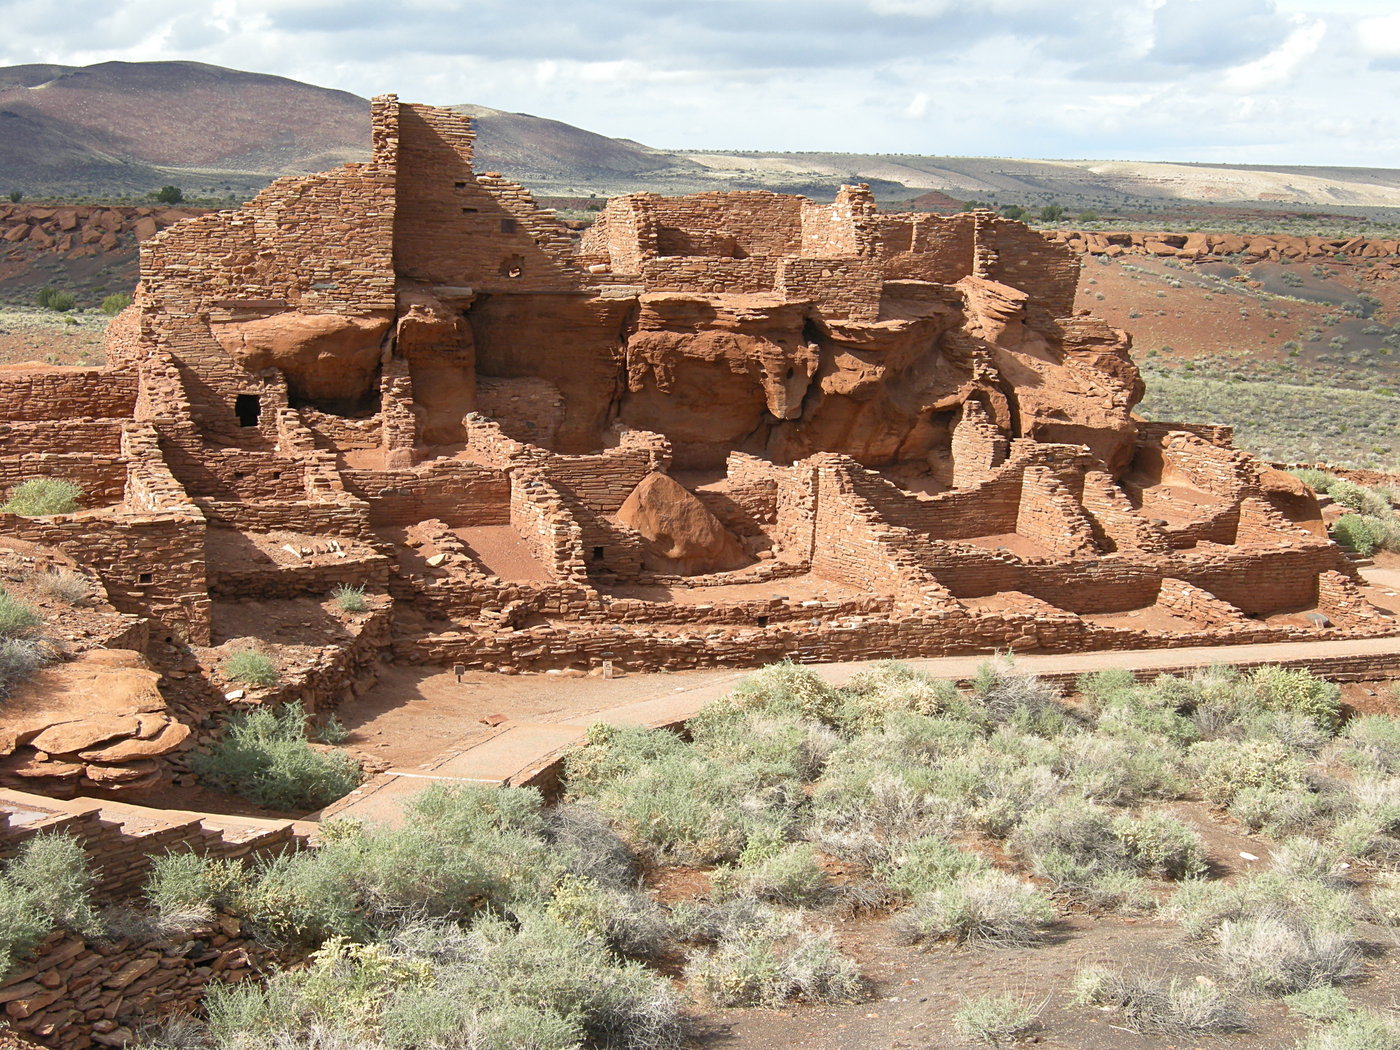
x=918, y=106
x=1281, y=64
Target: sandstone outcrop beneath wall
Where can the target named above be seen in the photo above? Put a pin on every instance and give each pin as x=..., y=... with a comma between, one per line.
x=96, y=723
x=682, y=536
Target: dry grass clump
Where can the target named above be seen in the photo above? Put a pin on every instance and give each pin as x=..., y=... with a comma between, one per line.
x=1172, y=1006
x=995, y=1019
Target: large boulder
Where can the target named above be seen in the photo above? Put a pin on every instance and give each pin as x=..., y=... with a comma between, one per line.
x=682, y=536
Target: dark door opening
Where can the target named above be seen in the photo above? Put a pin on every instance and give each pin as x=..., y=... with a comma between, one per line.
x=248, y=407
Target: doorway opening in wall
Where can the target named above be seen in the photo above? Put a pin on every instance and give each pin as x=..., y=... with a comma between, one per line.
x=247, y=407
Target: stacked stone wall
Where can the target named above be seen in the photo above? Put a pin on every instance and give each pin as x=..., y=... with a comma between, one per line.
x=64, y=393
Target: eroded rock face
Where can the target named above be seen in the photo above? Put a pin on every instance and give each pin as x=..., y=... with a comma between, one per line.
x=97, y=722
x=1292, y=498
x=328, y=359
x=684, y=538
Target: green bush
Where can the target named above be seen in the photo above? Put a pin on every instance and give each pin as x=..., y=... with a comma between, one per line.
x=1172, y=1007
x=993, y=1019
x=1162, y=846
x=1362, y=1030
x=17, y=619
x=45, y=886
x=927, y=864
x=1359, y=498
x=41, y=497
x=1363, y=534
x=1226, y=767
x=251, y=667
x=53, y=299
x=264, y=756
x=115, y=303
x=782, y=873
x=890, y=687
x=989, y=907
x=1319, y=481
x=169, y=195
x=1298, y=691
x=350, y=599
x=1279, y=954
x=774, y=963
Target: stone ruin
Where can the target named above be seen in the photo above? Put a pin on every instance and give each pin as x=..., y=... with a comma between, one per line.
x=727, y=428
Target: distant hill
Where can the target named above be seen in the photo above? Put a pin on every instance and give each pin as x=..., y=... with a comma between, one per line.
x=129, y=127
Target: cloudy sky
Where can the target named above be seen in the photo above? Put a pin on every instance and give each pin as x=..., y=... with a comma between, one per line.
x=1266, y=81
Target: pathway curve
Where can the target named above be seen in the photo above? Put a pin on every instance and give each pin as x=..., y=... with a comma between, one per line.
x=525, y=752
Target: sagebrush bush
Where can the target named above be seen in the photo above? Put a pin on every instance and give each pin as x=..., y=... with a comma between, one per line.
x=1363, y=533
x=264, y=755
x=1278, y=953
x=782, y=873
x=41, y=497
x=19, y=658
x=773, y=963
x=65, y=586
x=1371, y=742
x=251, y=667
x=993, y=1019
x=1225, y=767
x=1319, y=481
x=983, y=907
x=890, y=687
x=349, y=598
x=1149, y=1004
x=1161, y=846
x=115, y=303
x=1361, y=1030
x=1298, y=691
x=46, y=885
x=1359, y=498
x=1308, y=859
x=927, y=864
x=17, y=619
x=1007, y=693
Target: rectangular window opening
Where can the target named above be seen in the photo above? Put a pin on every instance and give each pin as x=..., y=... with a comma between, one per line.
x=508, y=225
x=247, y=407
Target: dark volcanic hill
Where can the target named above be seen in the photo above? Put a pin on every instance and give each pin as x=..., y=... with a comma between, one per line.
x=122, y=126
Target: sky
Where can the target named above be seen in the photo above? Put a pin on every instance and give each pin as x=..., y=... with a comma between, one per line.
x=1240, y=81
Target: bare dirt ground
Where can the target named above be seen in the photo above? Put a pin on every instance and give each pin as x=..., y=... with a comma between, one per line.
x=49, y=337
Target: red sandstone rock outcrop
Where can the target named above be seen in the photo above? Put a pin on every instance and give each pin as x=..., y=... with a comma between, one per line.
x=683, y=537
x=97, y=722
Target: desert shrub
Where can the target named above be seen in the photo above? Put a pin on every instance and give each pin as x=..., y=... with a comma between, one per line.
x=65, y=586
x=1160, y=845
x=927, y=864
x=1362, y=1030
x=676, y=804
x=989, y=907
x=1364, y=837
x=1149, y=1004
x=1277, y=953
x=251, y=667
x=332, y=731
x=1327, y=1003
x=1073, y=831
x=1371, y=742
x=1202, y=907
x=774, y=747
x=1277, y=812
x=1122, y=771
x=1224, y=768
x=264, y=755
x=532, y=984
x=53, y=299
x=45, y=886
x=627, y=920
x=349, y=598
x=17, y=618
x=461, y=851
x=1300, y=692
x=1384, y=904
x=1295, y=730
x=1359, y=498
x=773, y=963
x=1008, y=693
x=185, y=888
x=41, y=497
x=1319, y=481
x=1304, y=858
x=589, y=846
x=784, y=873
x=1101, y=689
x=19, y=658
x=1363, y=534
x=786, y=689
x=115, y=303
x=889, y=687
x=993, y=1019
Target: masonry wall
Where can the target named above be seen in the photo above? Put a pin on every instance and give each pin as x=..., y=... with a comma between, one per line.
x=455, y=228
x=459, y=493
x=36, y=393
